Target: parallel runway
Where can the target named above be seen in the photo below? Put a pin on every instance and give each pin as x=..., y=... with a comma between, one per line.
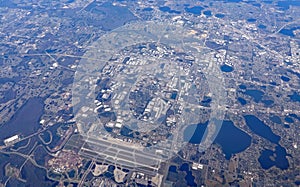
x=117, y=152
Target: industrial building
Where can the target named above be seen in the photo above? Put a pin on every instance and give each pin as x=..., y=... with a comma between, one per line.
x=11, y=140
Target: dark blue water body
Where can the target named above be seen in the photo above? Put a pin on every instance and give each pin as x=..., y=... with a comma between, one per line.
x=206, y=101
x=255, y=94
x=125, y=131
x=285, y=5
x=275, y=119
x=164, y=9
x=169, y=10
x=279, y=158
x=295, y=97
x=242, y=101
x=174, y=95
x=268, y=102
x=285, y=79
x=243, y=87
x=196, y=10
x=233, y=1
x=194, y=133
x=265, y=160
x=147, y=9
x=25, y=121
x=232, y=139
x=256, y=4
x=189, y=176
x=294, y=116
x=251, y=20
x=286, y=126
x=207, y=13
x=268, y=2
x=261, y=26
x=51, y=50
x=273, y=83
x=289, y=120
x=261, y=129
x=173, y=169
x=219, y=15
x=289, y=32
x=110, y=171
x=226, y=68
x=72, y=173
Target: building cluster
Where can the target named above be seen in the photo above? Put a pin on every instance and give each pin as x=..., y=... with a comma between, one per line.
x=65, y=161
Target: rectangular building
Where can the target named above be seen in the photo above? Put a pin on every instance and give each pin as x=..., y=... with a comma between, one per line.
x=11, y=140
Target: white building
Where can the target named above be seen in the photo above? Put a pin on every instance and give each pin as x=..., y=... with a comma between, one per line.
x=11, y=140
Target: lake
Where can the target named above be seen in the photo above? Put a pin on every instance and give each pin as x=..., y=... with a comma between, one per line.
x=218, y=15
x=243, y=87
x=289, y=32
x=285, y=5
x=267, y=102
x=232, y=139
x=261, y=26
x=196, y=10
x=285, y=78
x=194, y=133
x=295, y=97
x=261, y=129
x=169, y=10
x=255, y=94
x=289, y=120
x=225, y=68
x=242, y=101
x=275, y=119
x=251, y=20
x=25, y=121
x=189, y=176
x=294, y=116
x=207, y=13
x=269, y=158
